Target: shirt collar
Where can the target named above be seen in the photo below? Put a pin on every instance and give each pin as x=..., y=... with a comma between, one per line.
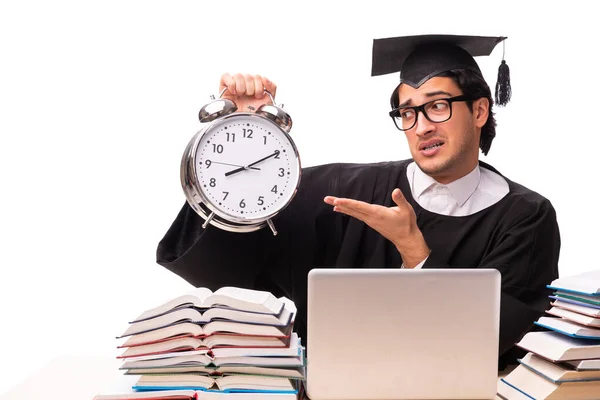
x=461, y=189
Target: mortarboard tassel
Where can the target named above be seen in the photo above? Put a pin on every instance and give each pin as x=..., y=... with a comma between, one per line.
x=503, y=89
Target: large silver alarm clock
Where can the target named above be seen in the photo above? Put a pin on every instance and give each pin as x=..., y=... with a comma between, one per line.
x=242, y=168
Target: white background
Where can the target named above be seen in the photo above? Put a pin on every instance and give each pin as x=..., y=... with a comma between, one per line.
x=99, y=99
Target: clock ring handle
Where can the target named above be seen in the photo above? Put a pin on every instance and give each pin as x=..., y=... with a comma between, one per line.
x=271, y=96
x=222, y=91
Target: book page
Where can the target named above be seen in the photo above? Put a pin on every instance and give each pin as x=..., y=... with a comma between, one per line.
x=591, y=276
x=250, y=296
x=122, y=388
x=585, y=364
x=175, y=355
x=587, y=282
x=290, y=306
x=562, y=325
x=577, y=308
x=163, y=321
x=201, y=293
x=202, y=395
x=254, y=382
x=245, y=299
x=195, y=297
x=175, y=381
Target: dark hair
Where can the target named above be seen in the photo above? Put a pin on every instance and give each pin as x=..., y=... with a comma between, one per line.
x=473, y=85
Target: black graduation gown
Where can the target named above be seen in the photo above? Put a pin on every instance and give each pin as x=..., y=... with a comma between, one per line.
x=518, y=235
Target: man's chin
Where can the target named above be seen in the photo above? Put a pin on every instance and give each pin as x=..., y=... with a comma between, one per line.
x=432, y=167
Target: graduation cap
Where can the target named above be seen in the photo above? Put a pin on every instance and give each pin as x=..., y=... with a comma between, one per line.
x=419, y=58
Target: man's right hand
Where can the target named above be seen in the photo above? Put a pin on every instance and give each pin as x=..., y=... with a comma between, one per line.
x=247, y=91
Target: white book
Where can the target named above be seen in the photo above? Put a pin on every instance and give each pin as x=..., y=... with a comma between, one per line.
x=222, y=383
x=193, y=395
x=587, y=282
x=205, y=360
x=237, y=298
x=507, y=392
x=585, y=365
x=538, y=387
x=197, y=316
x=192, y=343
x=558, y=347
x=188, y=329
x=210, y=328
x=593, y=299
x=122, y=389
x=223, y=352
x=592, y=312
x=575, y=317
x=557, y=373
x=568, y=328
x=293, y=373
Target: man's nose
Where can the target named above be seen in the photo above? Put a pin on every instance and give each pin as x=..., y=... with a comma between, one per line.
x=423, y=126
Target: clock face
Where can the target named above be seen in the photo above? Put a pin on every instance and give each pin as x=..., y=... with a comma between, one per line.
x=247, y=167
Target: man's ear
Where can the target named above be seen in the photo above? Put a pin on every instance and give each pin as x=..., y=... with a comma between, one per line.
x=481, y=111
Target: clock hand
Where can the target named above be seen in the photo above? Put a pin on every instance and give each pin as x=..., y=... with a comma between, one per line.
x=275, y=153
x=235, y=171
x=233, y=165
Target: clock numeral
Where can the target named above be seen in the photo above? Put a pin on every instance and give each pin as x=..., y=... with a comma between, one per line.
x=226, y=194
x=261, y=200
x=264, y=140
x=281, y=172
x=274, y=190
x=277, y=154
x=248, y=133
x=213, y=182
x=217, y=148
x=231, y=136
x=208, y=163
x=242, y=204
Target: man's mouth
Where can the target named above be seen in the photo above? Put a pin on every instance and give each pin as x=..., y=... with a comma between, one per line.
x=431, y=144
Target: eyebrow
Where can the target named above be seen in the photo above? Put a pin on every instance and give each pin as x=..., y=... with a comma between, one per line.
x=430, y=94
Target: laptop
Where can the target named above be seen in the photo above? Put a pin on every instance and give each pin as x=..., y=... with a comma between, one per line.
x=402, y=334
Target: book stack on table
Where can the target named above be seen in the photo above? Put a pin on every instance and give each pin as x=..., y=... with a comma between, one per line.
x=232, y=343
x=563, y=360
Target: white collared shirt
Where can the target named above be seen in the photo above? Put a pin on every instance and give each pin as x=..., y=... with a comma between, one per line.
x=474, y=192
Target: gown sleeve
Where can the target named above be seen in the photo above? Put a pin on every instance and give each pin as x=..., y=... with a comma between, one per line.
x=210, y=257
x=214, y=258
x=526, y=254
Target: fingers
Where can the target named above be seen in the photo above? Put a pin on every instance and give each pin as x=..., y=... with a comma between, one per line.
x=270, y=86
x=246, y=85
x=354, y=208
x=399, y=198
x=240, y=84
x=365, y=216
x=396, y=223
x=329, y=200
x=235, y=84
x=249, y=83
x=361, y=206
x=259, y=89
x=228, y=82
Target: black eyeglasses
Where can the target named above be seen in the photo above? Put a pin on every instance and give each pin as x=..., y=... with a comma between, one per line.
x=439, y=110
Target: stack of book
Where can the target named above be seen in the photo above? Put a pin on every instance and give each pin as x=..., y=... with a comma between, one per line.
x=232, y=343
x=563, y=360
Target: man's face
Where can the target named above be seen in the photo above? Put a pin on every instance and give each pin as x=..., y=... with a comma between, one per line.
x=446, y=150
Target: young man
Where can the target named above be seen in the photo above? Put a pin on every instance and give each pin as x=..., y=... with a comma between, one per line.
x=441, y=209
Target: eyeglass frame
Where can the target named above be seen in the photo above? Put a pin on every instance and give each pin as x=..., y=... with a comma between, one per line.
x=395, y=113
